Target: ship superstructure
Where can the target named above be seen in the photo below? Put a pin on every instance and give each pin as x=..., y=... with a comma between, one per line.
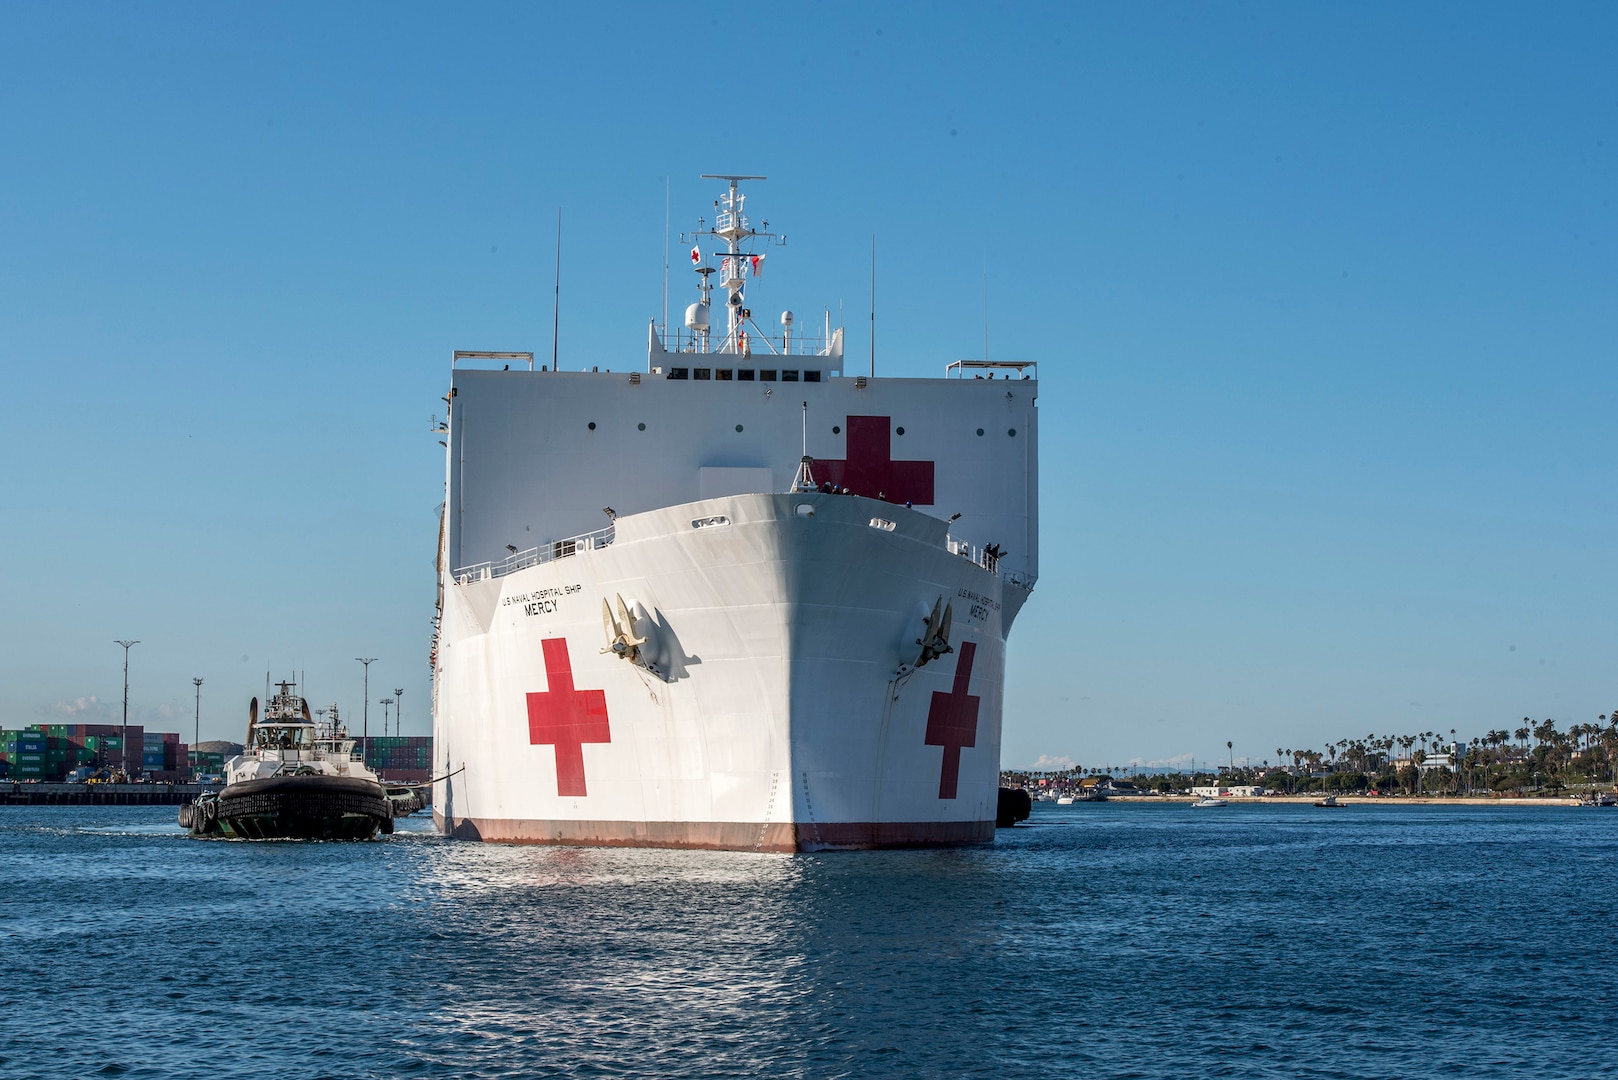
x=735, y=596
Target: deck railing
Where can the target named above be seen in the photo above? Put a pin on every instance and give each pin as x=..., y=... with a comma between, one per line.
x=593, y=541
x=679, y=339
x=534, y=556
x=966, y=550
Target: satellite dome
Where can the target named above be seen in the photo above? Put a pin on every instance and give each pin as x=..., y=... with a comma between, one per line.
x=696, y=317
x=786, y=318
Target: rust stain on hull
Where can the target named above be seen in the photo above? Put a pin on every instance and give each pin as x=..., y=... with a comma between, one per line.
x=723, y=835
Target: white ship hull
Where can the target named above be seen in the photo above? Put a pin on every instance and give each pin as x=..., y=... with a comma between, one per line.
x=774, y=710
x=733, y=658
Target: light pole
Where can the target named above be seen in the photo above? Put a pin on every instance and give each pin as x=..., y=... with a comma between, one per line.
x=398, y=712
x=385, y=703
x=365, y=699
x=124, y=739
x=196, y=732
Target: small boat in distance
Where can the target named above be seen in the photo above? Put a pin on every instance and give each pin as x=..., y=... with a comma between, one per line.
x=1208, y=800
x=293, y=780
x=1329, y=802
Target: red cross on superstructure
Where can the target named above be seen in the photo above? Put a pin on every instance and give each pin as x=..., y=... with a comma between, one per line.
x=566, y=718
x=952, y=721
x=870, y=470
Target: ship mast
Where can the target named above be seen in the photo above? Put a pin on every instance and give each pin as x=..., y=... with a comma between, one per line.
x=732, y=226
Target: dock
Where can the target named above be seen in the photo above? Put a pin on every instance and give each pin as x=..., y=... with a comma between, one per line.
x=13, y=793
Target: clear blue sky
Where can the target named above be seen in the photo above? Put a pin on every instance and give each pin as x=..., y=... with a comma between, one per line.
x=1324, y=297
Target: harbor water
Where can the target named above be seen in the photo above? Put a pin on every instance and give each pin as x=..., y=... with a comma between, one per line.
x=1101, y=940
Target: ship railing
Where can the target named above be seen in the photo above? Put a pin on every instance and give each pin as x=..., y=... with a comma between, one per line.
x=534, y=556
x=989, y=369
x=1022, y=579
x=679, y=339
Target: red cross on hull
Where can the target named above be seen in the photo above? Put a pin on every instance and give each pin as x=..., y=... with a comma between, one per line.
x=870, y=470
x=952, y=721
x=566, y=718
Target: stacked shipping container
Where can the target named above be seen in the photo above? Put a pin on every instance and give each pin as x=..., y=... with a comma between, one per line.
x=51, y=751
x=406, y=758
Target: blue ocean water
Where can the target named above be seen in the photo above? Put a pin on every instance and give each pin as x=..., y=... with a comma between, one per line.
x=1098, y=940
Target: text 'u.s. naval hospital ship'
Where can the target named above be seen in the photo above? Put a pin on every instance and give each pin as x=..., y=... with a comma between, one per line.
x=742, y=598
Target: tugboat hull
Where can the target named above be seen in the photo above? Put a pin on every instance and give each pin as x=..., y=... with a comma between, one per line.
x=310, y=807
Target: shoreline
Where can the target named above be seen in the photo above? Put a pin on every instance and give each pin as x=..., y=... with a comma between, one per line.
x=1362, y=800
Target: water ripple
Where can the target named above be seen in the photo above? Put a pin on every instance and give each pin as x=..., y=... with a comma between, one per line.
x=1117, y=941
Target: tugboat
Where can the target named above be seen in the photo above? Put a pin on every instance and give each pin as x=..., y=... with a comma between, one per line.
x=294, y=780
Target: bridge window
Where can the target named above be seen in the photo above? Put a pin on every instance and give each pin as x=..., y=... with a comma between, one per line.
x=679, y=373
x=701, y=373
x=789, y=376
x=744, y=375
x=811, y=376
x=723, y=374
x=766, y=375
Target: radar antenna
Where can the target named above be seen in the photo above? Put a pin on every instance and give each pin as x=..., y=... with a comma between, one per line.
x=731, y=225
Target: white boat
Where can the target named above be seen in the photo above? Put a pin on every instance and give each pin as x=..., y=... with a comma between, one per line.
x=741, y=592
x=1208, y=800
x=1064, y=800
